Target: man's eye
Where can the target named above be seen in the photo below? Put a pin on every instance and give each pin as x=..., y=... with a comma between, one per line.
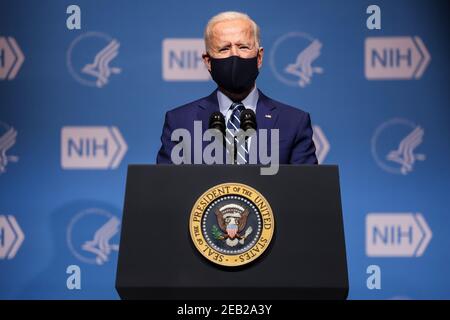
x=243, y=47
x=223, y=49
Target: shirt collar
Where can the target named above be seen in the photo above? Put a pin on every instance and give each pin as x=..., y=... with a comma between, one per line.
x=249, y=102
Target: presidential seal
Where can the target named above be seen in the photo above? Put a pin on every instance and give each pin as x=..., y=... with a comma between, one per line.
x=231, y=224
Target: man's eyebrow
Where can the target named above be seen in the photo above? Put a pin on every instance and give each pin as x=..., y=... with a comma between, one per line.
x=246, y=43
x=227, y=44
x=223, y=45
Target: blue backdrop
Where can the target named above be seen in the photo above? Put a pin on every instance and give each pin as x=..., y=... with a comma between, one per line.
x=77, y=106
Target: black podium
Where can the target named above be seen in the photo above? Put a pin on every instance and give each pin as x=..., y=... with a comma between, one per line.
x=306, y=258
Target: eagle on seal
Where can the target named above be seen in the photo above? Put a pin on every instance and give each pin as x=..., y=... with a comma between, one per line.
x=232, y=219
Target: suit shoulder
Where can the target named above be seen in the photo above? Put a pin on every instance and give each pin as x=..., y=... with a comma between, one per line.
x=187, y=107
x=288, y=110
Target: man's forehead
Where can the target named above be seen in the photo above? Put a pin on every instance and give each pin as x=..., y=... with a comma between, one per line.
x=230, y=30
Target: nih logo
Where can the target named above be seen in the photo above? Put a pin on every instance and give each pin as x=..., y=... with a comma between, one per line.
x=11, y=58
x=395, y=58
x=182, y=60
x=92, y=147
x=11, y=237
x=396, y=234
x=321, y=142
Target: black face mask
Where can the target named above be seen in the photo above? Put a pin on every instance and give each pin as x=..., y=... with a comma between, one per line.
x=235, y=74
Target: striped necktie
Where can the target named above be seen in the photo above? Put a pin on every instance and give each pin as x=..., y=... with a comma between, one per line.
x=233, y=126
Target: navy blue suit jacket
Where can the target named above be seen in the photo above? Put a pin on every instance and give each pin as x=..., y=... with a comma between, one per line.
x=296, y=144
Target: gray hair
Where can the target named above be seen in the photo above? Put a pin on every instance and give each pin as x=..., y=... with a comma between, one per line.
x=229, y=16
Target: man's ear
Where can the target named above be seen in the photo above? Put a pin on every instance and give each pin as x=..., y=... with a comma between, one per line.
x=260, y=56
x=207, y=61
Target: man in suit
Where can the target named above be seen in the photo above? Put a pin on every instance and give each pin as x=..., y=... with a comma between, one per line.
x=233, y=57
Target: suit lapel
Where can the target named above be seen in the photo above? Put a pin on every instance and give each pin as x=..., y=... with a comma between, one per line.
x=266, y=113
x=266, y=118
x=207, y=106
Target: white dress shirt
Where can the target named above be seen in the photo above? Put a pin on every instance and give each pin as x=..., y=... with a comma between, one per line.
x=225, y=103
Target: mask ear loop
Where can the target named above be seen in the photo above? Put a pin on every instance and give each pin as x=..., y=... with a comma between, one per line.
x=209, y=56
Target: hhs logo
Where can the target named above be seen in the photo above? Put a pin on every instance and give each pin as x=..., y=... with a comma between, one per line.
x=92, y=147
x=395, y=58
x=8, y=136
x=395, y=144
x=90, y=58
x=92, y=235
x=396, y=235
x=182, y=60
x=293, y=59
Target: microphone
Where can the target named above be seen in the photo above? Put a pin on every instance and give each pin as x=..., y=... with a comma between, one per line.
x=248, y=120
x=217, y=121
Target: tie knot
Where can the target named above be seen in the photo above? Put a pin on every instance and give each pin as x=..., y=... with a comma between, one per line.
x=237, y=106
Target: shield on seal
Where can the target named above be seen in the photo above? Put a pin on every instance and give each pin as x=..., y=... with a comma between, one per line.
x=232, y=230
